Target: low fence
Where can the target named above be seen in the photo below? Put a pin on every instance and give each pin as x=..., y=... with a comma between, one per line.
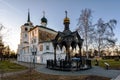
x=68, y=65
x=110, y=57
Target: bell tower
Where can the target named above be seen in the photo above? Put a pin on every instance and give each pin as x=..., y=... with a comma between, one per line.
x=25, y=28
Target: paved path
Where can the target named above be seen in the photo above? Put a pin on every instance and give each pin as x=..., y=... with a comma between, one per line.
x=94, y=71
x=117, y=78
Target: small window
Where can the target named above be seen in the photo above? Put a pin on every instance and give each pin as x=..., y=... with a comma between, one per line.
x=47, y=47
x=41, y=47
x=26, y=29
x=34, y=40
x=35, y=31
x=25, y=35
x=32, y=33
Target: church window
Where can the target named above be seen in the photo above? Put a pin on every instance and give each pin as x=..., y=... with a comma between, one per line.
x=25, y=35
x=47, y=47
x=35, y=31
x=34, y=40
x=41, y=47
x=26, y=29
x=28, y=49
x=32, y=33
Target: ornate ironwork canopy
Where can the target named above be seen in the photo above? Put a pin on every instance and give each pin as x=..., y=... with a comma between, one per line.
x=67, y=39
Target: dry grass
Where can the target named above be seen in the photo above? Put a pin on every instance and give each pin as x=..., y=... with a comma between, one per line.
x=113, y=64
x=8, y=66
x=40, y=76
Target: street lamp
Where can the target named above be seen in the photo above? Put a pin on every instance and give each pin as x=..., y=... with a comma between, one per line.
x=34, y=51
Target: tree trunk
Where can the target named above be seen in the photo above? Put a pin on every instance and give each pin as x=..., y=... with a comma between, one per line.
x=86, y=46
x=98, y=51
x=99, y=43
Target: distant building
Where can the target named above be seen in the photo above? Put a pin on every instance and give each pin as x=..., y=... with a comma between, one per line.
x=113, y=50
x=36, y=42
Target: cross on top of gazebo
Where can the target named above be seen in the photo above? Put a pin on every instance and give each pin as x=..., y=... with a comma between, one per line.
x=66, y=13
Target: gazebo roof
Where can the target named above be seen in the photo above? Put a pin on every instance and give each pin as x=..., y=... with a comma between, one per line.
x=67, y=38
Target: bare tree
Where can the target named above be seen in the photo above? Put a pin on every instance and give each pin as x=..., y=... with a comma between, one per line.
x=6, y=52
x=85, y=28
x=104, y=34
x=1, y=42
x=1, y=28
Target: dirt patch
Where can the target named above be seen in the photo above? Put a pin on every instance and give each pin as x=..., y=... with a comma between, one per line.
x=33, y=75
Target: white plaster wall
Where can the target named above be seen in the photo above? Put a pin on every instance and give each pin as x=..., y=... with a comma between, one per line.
x=24, y=50
x=46, y=57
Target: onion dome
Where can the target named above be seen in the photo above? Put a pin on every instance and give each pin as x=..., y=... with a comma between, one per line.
x=66, y=19
x=43, y=19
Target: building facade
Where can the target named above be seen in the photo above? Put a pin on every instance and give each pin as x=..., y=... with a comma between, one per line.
x=36, y=43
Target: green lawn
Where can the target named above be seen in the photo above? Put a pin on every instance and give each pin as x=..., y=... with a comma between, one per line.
x=113, y=64
x=8, y=66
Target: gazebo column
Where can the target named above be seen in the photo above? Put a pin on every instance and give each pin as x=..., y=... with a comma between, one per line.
x=80, y=55
x=55, y=56
x=67, y=54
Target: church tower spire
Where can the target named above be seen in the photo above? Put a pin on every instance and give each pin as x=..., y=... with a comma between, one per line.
x=28, y=16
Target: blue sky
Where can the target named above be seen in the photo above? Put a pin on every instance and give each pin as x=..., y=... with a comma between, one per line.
x=13, y=14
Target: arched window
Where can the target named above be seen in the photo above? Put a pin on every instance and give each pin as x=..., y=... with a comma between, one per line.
x=26, y=29
x=25, y=35
x=47, y=47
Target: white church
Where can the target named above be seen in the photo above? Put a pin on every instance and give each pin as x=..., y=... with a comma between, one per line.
x=35, y=43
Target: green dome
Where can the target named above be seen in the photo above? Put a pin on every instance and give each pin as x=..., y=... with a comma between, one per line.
x=44, y=20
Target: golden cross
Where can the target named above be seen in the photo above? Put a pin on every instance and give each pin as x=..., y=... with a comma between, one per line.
x=66, y=13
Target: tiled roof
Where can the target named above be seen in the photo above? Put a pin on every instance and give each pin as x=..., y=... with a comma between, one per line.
x=46, y=28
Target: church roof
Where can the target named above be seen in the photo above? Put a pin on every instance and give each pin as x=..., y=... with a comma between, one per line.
x=46, y=28
x=28, y=24
x=43, y=28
